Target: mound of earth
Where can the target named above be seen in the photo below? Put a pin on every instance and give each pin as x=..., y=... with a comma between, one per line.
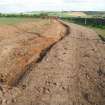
x=71, y=73
x=24, y=47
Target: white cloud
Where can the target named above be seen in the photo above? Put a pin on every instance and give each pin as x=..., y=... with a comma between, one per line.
x=85, y=1
x=84, y=7
x=28, y=2
x=31, y=5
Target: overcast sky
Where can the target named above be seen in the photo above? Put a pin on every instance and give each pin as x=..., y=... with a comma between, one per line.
x=51, y=5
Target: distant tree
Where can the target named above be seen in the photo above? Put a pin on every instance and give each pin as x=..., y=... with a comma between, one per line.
x=43, y=14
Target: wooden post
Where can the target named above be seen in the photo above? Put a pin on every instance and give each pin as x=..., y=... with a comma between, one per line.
x=85, y=21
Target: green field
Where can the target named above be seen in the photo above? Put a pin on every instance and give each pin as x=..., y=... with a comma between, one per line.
x=12, y=20
x=15, y=20
x=100, y=31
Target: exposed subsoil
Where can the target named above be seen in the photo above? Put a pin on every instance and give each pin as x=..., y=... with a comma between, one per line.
x=18, y=52
x=72, y=72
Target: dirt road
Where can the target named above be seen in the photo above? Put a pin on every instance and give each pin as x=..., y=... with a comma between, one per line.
x=71, y=73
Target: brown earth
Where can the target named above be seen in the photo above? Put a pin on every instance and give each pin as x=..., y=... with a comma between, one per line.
x=71, y=73
x=24, y=47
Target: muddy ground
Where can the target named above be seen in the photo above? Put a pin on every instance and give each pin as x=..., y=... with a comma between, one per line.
x=72, y=72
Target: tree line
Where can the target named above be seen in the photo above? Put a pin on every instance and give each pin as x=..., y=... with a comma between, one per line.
x=24, y=15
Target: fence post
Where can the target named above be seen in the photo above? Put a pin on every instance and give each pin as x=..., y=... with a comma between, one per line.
x=85, y=21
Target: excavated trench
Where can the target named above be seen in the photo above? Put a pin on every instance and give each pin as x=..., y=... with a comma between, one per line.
x=19, y=61
x=46, y=50
x=70, y=71
x=43, y=53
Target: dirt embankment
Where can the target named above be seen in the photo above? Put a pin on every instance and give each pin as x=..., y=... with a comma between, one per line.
x=72, y=73
x=20, y=51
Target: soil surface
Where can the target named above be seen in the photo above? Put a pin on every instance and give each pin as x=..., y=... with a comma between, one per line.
x=25, y=46
x=72, y=72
